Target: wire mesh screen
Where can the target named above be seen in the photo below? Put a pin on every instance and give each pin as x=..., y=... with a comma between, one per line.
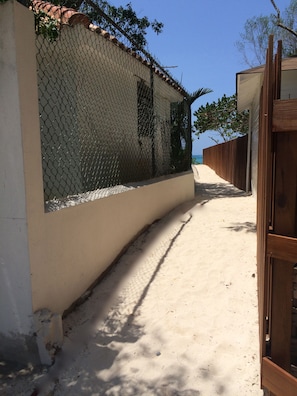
x=105, y=115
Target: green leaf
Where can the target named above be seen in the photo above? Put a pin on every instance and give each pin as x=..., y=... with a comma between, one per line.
x=222, y=117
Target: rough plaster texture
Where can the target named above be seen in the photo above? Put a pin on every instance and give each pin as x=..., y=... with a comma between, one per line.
x=15, y=283
x=49, y=333
x=80, y=242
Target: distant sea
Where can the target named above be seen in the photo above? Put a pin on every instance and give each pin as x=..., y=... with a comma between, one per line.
x=197, y=158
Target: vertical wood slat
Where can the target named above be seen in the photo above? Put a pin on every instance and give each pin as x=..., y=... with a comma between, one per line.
x=229, y=160
x=261, y=228
x=277, y=92
x=264, y=205
x=278, y=70
x=264, y=195
x=281, y=306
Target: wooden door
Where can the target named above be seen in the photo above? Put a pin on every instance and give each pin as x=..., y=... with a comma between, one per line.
x=277, y=233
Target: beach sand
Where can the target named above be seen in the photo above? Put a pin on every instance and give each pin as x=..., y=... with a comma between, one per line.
x=177, y=314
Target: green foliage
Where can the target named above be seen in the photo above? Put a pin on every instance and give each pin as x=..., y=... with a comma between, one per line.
x=46, y=26
x=180, y=118
x=181, y=131
x=197, y=94
x=254, y=38
x=222, y=117
x=124, y=16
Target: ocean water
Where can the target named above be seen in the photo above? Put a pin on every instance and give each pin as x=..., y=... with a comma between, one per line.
x=197, y=158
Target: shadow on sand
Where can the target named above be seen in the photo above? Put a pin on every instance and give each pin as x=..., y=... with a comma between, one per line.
x=119, y=327
x=245, y=226
x=208, y=191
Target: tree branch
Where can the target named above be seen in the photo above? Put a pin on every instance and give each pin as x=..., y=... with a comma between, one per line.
x=276, y=9
x=279, y=23
x=287, y=28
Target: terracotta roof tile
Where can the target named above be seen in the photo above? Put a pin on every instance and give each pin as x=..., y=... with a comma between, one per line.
x=69, y=16
x=64, y=15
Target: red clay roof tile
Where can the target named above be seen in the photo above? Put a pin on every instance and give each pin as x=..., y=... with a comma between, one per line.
x=64, y=15
x=69, y=16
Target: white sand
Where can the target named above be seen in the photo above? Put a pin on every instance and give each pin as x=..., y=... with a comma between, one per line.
x=178, y=314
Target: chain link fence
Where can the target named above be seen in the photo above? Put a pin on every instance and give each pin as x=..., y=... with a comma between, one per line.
x=109, y=117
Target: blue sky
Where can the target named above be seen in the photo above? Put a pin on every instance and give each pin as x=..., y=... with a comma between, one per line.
x=199, y=37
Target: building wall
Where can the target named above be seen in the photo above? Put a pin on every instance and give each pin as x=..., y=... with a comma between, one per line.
x=289, y=84
x=49, y=259
x=288, y=91
x=70, y=248
x=254, y=114
x=229, y=161
x=164, y=96
x=89, y=109
x=18, y=104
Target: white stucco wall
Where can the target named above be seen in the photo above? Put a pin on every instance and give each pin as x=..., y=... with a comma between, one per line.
x=88, y=92
x=47, y=260
x=18, y=98
x=70, y=248
x=289, y=84
x=254, y=109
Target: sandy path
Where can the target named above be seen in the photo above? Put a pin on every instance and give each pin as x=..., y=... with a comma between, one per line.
x=178, y=314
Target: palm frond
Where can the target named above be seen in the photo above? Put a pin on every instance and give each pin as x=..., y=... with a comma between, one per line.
x=197, y=94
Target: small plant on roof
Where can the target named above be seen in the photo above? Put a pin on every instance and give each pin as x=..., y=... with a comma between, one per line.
x=46, y=26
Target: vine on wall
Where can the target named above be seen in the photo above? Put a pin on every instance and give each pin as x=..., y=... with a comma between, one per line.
x=46, y=26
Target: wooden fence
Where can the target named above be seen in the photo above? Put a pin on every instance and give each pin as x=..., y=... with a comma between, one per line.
x=229, y=161
x=277, y=232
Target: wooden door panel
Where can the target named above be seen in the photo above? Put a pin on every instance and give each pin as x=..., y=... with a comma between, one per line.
x=277, y=380
x=284, y=116
x=281, y=313
x=284, y=223
x=285, y=183
x=282, y=247
x=277, y=231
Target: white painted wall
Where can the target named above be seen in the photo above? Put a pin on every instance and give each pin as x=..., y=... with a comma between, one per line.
x=47, y=260
x=255, y=108
x=73, y=246
x=18, y=99
x=289, y=84
x=88, y=89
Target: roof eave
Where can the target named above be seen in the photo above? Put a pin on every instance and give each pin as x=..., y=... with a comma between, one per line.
x=248, y=82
